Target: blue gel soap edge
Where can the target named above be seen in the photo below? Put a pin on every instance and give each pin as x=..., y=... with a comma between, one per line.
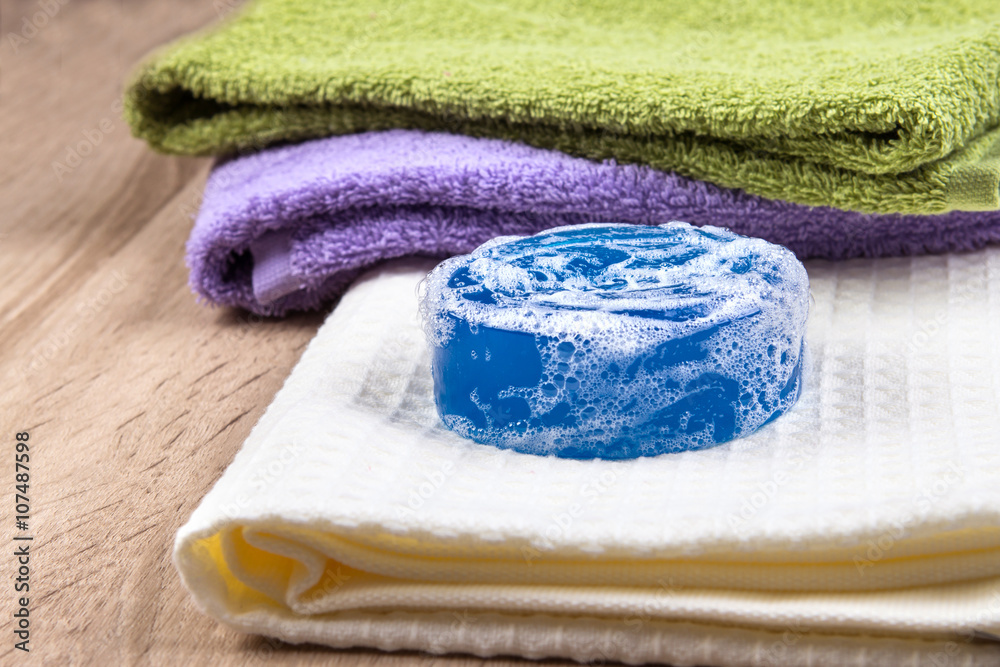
x=616, y=341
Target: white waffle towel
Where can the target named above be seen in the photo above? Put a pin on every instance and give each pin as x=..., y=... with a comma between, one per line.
x=861, y=528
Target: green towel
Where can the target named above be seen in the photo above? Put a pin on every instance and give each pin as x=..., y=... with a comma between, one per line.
x=872, y=106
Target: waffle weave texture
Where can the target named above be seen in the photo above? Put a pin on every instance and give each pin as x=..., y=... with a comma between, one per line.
x=875, y=106
x=862, y=527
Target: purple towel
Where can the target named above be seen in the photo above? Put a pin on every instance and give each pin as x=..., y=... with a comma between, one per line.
x=288, y=228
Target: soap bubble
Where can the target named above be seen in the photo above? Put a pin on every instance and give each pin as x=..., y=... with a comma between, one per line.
x=615, y=340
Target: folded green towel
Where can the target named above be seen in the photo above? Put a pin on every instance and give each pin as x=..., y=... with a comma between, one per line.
x=883, y=107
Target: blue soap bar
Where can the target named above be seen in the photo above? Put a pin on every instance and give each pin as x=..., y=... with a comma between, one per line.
x=615, y=341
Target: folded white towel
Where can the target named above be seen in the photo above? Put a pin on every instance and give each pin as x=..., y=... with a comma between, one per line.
x=863, y=527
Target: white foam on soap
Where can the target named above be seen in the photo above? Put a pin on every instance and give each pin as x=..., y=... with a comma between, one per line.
x=756, y=292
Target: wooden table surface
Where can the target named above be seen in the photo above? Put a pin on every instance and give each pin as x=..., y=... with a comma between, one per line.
x=136, y=397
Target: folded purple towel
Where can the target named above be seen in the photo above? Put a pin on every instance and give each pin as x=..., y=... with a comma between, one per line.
x=288, y=228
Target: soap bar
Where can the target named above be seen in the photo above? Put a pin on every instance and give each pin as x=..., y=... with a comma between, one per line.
x=616, y=341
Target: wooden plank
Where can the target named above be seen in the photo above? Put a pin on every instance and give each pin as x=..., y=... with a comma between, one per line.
x=135, y=396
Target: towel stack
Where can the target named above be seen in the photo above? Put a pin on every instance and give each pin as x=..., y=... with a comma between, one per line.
x=861, y=528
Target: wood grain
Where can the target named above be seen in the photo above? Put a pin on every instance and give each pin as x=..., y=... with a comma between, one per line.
x=136, y=397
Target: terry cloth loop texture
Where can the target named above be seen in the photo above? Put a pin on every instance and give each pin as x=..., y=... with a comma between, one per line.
x=288, y=228
x=873, y=106
x=866, y=520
